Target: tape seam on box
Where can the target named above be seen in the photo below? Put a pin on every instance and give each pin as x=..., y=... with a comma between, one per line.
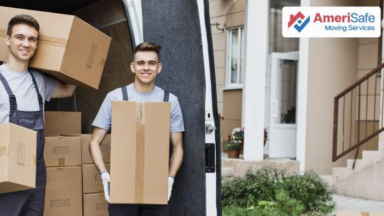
x=44, y=39
x=140, y=153
x=21, y=154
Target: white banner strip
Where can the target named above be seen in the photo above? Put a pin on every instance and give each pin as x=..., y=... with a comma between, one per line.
x=331, y=22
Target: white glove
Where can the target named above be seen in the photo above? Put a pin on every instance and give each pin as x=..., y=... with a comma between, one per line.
x=106, y=178
x=170, y=184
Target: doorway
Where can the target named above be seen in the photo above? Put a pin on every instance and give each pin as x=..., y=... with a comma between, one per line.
x=283, y=101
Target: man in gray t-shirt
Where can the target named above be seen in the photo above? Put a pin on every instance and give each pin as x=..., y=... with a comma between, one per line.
x=103, y=118
x=22, y=95
x=22, y=86
x=145, y=66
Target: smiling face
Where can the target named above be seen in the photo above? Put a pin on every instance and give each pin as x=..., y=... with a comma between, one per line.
x=22, y=43
x=146, y=66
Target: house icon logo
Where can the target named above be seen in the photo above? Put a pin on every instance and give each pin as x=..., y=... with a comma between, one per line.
x=299, y=20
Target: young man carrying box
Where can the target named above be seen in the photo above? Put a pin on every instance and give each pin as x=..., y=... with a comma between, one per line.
x=22, y=95
x=146, y=65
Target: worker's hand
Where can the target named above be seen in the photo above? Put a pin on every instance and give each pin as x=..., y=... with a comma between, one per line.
x=106, y=178
x=170, y=184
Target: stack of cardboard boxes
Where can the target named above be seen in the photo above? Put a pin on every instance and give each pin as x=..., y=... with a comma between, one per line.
x=94, y=201
x=63, y=160
x=73, y=182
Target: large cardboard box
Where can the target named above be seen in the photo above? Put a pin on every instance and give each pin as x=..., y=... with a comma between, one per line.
x=140, y=152
x=91, y=179
x=63, y=195
x=58, y=123
x=95, y=205
x=62, y=151
x=104, y=147
x=17, y=158
x=69, y=49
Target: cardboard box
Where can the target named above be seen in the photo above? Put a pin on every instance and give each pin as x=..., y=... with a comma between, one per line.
x=95, y=205
x=104, y=147
x=91, y=179
x=359, y=214
x=17, y=158
x=63, y=192
x=57, y=123
x=140, y=152
x=69, y=49
x=62, y=151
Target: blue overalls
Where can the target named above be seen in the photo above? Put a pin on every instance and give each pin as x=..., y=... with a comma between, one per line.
x=27, y=202
x=136, y=209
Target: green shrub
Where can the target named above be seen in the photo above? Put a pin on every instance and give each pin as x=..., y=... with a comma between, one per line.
x=253, y=187
x=283, y=206
x=312, y=191
x=262, y=192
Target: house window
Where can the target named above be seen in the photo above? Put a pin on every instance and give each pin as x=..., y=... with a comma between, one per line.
x=235, y=57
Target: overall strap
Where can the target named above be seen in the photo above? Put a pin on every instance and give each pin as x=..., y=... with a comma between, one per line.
x=12, y=97
x=37, y=92
x=125, y=93
x=166, y=96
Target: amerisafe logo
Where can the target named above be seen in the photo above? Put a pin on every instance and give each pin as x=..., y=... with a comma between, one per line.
x=300, y=24
x=331, y=22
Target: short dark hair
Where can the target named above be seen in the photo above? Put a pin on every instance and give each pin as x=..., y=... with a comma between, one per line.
x=147, y=47
x=22, y=19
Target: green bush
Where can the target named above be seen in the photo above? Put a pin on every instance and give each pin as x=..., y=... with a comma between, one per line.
x=271, y=191
x=312, y=191
x=283, y=206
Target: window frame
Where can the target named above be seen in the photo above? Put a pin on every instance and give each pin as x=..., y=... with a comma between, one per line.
x=241, y=65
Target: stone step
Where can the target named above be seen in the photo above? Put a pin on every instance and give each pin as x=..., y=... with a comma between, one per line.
x=369, y=158
x=373, y=156
x=341, y=173
x=381, y=145
x=358, y=165
x=328, y=179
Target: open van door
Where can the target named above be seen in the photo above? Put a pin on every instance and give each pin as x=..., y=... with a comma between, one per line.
x=182, y=28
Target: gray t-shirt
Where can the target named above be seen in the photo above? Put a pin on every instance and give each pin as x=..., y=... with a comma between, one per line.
x=22, y=86
x=103, y=118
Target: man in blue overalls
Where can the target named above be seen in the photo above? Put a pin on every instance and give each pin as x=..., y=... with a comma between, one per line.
x=22, y=95
x=146, y=65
